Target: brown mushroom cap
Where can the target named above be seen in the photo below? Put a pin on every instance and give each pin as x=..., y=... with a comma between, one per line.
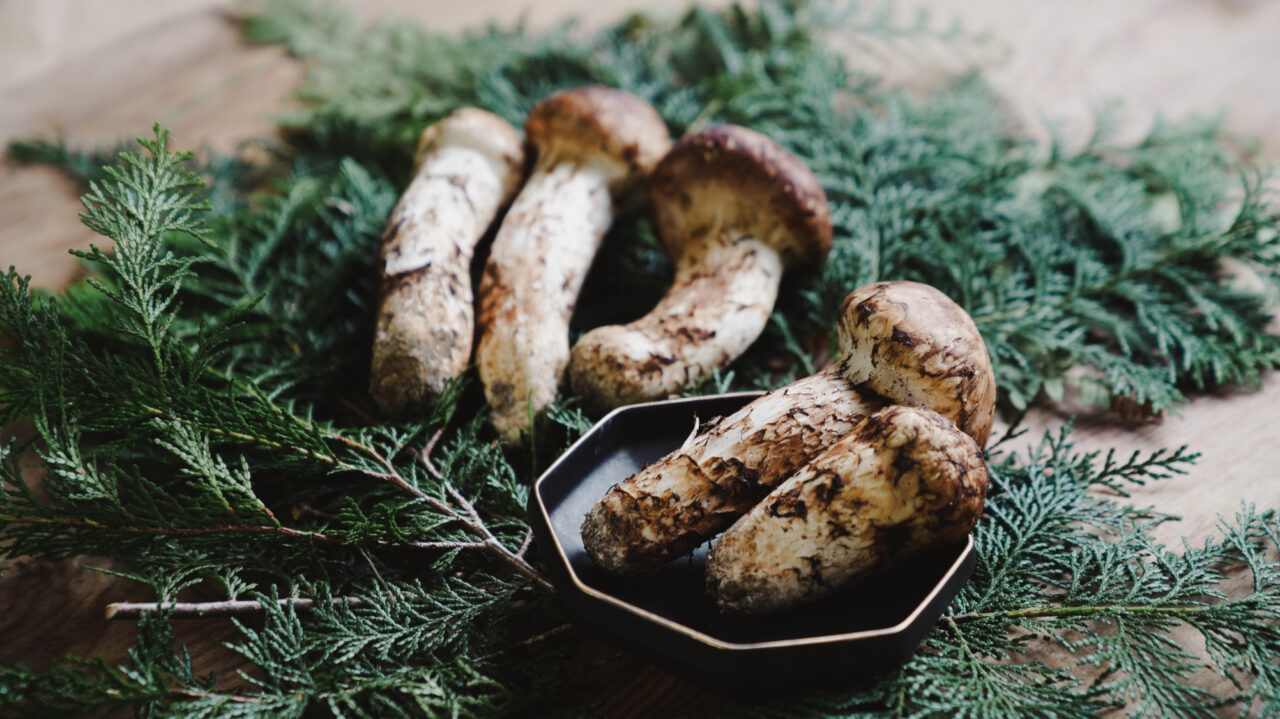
x=599, y=122
x=477, y=129
x=731, y=178
x=909, y=343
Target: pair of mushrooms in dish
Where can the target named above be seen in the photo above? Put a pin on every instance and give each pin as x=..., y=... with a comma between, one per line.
x=731, y=207
x=830, y=478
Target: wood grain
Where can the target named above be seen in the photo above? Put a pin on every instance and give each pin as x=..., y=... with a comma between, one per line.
x=102, y=75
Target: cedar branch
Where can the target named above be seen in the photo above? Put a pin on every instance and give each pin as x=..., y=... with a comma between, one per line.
x=178, y=531
x=1086, y=611
x=201, y=610
x=470, y=521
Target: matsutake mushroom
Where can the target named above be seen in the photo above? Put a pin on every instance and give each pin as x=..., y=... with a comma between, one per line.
x=904, y=480
x=734, y=209
x=902, y=343
x=594, y=145
x=468, y=167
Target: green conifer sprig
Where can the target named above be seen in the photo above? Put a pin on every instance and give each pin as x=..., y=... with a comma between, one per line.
x=200, y=412
x=1082, y=260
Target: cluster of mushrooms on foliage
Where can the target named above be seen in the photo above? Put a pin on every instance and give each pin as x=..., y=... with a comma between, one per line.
x=815, y=484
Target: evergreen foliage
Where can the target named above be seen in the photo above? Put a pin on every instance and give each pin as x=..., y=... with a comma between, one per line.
x=201, y=417
x=1079, y=266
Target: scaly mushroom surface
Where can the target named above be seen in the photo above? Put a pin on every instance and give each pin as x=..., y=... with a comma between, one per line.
x=904, y=480
x=903, y=342
x=468, y=166
x=912, y=345
x=594, y=145
x=734, y=210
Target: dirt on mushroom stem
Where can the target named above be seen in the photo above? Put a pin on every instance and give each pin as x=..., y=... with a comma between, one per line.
x=530, y=285
x=673, y=505
x=719, y=303
x=468, y=167
x=904, y=480
x=595, y=145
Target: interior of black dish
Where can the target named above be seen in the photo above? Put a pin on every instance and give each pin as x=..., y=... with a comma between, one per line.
x=629, y=440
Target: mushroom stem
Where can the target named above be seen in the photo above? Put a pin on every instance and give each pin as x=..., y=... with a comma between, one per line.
x=595, y=145
x=531, y=283
x=469, y=166
x=719, y=303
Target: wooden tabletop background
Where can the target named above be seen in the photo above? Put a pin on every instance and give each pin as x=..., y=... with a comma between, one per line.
x=101, y=71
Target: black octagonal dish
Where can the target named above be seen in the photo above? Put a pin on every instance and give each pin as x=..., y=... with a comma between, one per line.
x=666, y=616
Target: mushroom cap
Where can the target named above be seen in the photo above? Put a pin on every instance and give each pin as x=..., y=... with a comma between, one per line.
x=595, y=122
x=478, y=130
x=729, y=178
x=908, y=342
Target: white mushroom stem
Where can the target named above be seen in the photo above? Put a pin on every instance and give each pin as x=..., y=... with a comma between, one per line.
x=425, y=316
x=719, y=303
x=671, y=506
x=531, y=283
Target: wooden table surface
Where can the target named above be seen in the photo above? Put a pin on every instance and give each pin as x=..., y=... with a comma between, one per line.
x=98, y=72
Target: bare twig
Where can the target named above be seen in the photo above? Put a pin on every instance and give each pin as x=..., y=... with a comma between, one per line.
x=200, y=610
x=358, y=411
x=470, y=520
x=475, y=525
x=447, y=545
x=302, y=508
x=177, y=531
x=524, y=545
x=468, y=506
x=233, y=698
x=1085, y=611
x=231, y=529
x=391, y=474
x=365, y=553
x=425, y=455
x=535, y=639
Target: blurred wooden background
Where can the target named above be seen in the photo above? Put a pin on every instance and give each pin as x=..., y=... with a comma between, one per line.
x=101, y=71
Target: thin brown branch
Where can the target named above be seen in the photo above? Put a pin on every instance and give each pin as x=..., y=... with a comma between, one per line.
x=470, y=509
x=364, y=553
x=535, y=639
x=358, y=411
x=477, y=526
x=202, y=610
x=391, y=474
x=446, y=545
x=175, y=531
x=1082, y=611
x=229, y=529
x=303, y=509
x=524, y=545
x=233, y=698
x=425, y=455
